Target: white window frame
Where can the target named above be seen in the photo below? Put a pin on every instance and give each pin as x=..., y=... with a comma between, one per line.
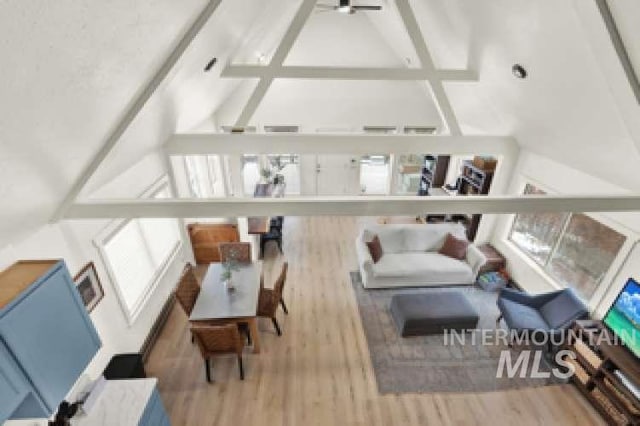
x=607, y=279
x=116, y=226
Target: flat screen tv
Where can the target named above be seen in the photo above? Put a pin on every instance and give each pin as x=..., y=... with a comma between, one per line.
x=623, y=317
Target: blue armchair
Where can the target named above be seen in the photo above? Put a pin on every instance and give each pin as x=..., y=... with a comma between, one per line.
x=547, y=312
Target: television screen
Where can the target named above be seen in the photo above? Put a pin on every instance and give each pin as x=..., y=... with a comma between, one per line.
x=623, y=317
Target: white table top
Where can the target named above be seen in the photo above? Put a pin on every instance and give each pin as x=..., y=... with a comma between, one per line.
x=215, y=302
x=120, y=403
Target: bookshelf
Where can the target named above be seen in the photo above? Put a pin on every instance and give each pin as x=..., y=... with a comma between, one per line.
x=607, y=374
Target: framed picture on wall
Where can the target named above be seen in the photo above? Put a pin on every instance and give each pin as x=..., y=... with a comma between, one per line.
x=89, y=286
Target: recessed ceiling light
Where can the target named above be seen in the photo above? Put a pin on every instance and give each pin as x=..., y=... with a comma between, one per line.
x=519, y=71
x=210, y=64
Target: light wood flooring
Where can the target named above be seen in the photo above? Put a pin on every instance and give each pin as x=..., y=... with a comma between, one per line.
x=319, y=372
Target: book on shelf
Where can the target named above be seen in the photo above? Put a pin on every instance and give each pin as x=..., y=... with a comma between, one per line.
x=632, y=387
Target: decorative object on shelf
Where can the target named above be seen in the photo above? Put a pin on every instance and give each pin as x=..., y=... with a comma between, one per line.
x=265, y=174
x=519, y=71
x=277, y=166
x=606, y=373
x=228, y=266
x=484, y=162
x=493, y=281
x=89, y=287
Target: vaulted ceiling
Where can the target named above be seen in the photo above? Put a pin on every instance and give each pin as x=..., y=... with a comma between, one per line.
x=71, y=68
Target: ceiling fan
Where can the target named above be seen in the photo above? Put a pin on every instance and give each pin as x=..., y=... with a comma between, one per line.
x=346, y=7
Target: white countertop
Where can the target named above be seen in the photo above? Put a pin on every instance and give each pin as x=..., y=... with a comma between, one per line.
x=121, y=403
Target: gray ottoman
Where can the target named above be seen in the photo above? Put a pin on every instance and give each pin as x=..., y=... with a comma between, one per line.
x=422, y=314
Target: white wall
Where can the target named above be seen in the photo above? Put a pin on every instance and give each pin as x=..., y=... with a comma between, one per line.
x=555, y=177
x=73, y=242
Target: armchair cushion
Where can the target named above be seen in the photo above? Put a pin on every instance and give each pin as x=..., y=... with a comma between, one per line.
x=563, y=309
x=549, y=311
x=521, y=317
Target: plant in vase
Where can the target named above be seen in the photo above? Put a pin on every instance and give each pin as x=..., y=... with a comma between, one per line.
x=228, y=266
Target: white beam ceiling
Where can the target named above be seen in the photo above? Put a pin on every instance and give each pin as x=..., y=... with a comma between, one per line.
x=276, y=61
x=346, y=73
x=243, y=143
x=135, y=106
x=439, y=94
x=349, y=206
x=275, y=68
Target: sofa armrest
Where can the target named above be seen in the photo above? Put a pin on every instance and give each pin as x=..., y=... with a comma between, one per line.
x=365, y=261
x=476, y=259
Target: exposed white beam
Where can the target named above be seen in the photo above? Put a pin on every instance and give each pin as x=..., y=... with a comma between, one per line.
x=420, y=46
x=350, y=206
x=243, y=143
x=277, y=60
x=618, y=45
x=346, y=73
x=135, y=106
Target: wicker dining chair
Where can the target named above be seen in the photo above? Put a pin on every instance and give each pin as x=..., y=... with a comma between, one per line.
x=188, y=289
x=269, y=299
x=217, y=340
x=240, y=252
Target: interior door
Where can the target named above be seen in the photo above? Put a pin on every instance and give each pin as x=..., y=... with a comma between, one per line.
x=337, y=174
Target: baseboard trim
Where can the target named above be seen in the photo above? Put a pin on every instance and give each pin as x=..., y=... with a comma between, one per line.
x=157, y=327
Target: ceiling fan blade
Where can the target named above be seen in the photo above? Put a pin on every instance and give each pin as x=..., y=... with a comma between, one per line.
x=326, y=6
x=367, y=7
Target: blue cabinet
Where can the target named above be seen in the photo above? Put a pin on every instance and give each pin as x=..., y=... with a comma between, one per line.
x=47, y=336
x=154, y=414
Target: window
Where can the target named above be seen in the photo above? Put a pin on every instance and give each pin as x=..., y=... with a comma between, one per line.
x=374, y=174
x=203, y=175
x=574, y=249
x=287, y=165
x=250, y=173
x=137, y=252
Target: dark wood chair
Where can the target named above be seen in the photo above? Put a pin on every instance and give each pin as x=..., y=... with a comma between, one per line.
x=269, y=299
x=217, y=340
x=206, y=237
x=240, y=252
x=274, y=234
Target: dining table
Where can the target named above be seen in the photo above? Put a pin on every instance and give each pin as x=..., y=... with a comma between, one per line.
x=217, y=304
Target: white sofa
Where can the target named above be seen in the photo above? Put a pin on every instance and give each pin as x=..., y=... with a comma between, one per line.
x=411, y=257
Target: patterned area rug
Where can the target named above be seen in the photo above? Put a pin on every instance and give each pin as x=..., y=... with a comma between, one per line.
x=425, y=363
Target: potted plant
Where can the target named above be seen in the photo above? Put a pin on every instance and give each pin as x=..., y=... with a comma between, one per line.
x=228, y=266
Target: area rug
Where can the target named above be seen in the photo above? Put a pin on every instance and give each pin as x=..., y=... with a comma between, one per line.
x=426, y=363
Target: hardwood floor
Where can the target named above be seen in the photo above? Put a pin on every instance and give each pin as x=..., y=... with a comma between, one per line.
x=319, y=372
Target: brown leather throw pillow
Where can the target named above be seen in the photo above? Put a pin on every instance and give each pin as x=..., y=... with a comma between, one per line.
x=454, y=247
x=375, y=249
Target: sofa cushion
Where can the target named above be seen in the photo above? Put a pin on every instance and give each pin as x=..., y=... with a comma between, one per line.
x=375, y=249
x=420, y=264
x=391, y=238
x=521, y=317
x=430, y=237
x=455, y=248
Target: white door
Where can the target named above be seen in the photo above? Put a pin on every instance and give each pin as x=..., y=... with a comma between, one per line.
x=337, y=174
